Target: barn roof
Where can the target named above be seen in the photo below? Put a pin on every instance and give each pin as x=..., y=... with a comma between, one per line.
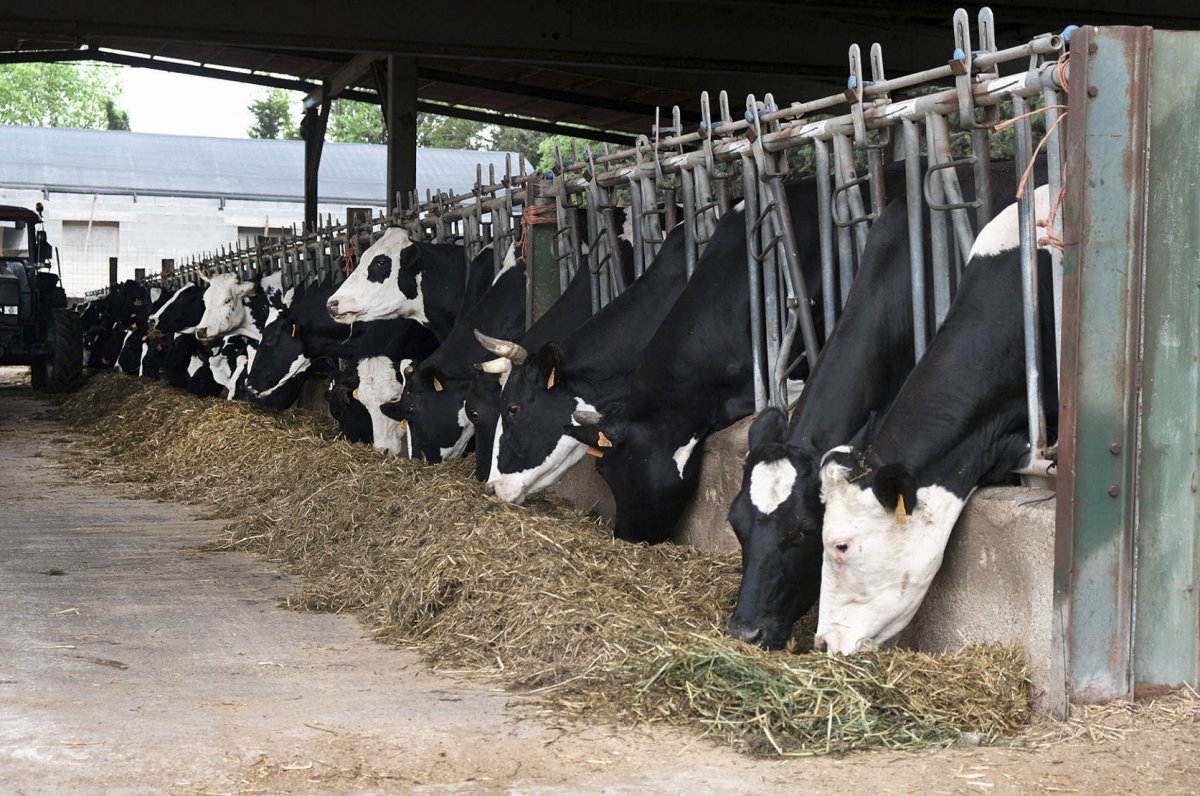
x=110, y=161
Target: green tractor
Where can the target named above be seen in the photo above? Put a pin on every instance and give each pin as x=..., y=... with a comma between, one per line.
x=36, y=327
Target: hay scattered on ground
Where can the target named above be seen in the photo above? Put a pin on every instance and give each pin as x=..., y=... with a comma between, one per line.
x=540, y=596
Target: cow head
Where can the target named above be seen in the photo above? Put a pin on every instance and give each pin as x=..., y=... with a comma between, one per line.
x=651, y=478
x=280, y=358
x=531, y=450
x=482, y=408
x=224, y=306
x=883, y=539
x=381, y=383
x=352, y=417
x=777, y=519
x=434, y=406
x=386, y=284
x=181, y=313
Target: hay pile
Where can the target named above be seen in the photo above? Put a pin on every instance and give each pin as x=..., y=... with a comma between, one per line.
x=541, y=596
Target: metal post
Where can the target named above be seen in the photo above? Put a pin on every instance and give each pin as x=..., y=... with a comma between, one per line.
x=916, y=232
x=1029, y=281
x=938, y=244
x=825, y=229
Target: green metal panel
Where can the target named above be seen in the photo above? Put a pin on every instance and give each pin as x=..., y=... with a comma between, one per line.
x=1167, y=613
x=1103, y=225
x=543, y=285
x=1126, y=562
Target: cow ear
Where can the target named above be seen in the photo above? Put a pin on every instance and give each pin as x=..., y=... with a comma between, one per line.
x=769, y=427
x=549, y=363
x=247, y=289
x=410, y=256
x=597, y=439
x=896, y=491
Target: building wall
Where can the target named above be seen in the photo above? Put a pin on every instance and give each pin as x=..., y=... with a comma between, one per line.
x=144, y=230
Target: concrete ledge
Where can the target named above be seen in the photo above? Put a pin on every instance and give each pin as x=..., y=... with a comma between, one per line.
x=996, y=583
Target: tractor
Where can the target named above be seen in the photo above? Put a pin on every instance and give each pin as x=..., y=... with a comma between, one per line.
x=36, y=327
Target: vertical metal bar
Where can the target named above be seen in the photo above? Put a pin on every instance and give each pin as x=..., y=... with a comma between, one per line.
x=635, y=224
x=691, y=246
x=1054, y=173
x=981, y=148
x=1027, y=220
x=791, y=252
x=757, y=328
x=916, y=232
x=964, y=236
x=938, y=245
x=825, y=230
x=843, y=154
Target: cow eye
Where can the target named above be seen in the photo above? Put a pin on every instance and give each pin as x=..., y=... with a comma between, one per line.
x=473, y=416
x=513, y=410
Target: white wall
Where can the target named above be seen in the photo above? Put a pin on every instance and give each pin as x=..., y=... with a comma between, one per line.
x=151, y=228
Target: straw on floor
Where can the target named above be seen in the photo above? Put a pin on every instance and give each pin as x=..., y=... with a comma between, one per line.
x=539, y=596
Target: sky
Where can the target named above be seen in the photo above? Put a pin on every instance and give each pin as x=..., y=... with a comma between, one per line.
x=165, y=102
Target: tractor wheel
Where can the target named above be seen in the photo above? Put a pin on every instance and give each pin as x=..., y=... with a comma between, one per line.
x=62, y=369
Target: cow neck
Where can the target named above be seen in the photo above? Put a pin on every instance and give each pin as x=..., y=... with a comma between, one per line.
x=960, y=417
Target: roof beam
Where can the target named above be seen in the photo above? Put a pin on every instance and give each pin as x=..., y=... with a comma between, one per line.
x=354, y=70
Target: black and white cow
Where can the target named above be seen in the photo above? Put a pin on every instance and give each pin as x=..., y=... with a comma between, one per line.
x=959, y=422
x=398, y=277
x=582, y=370
x=234, y=307
x=777, y=516
x=693, y=378
x=181, y=312
x=434, y=398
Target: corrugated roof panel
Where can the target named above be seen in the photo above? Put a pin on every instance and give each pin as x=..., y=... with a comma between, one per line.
x=111, y=160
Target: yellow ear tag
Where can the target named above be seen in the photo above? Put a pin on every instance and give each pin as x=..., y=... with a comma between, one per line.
x=599, y=454
x=437, y=385
x=404, y=426
x=355, y=394
x=603, y=441
x=550, y=381
x=901, y=514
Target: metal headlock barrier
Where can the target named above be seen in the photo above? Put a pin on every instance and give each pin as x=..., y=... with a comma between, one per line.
x=851, y=134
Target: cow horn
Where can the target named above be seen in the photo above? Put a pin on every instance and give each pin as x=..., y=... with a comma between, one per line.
x=207, y=279
x=587, y=417
x=503, y=348
x=499, y=365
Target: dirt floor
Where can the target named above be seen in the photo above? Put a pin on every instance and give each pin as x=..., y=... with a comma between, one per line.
x=130, y=663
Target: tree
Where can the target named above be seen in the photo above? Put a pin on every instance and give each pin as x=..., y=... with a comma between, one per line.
x=117, y=118
x=356, y=123
x=546, y=159
x=513, y=139
x=273, y=116
x=445, y=132
x=59, y=95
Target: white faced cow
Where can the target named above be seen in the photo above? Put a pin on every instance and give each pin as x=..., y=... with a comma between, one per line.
x=959, y=422
x=225, y=308
x=381, y=383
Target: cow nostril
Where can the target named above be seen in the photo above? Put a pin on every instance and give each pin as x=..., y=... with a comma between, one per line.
x=822, y=646
x=489, y=489
x=843, y=547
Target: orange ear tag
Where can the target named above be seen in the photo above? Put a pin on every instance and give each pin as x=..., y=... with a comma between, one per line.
x=901, y=514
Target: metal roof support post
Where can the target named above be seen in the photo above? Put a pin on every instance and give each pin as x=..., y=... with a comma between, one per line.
x=400, y=117
x=312, y=130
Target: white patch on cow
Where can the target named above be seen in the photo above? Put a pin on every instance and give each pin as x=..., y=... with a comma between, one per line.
x=627, y=227
x=194, y=365
x=509, y=261
x=1003, y=233
x=298, y=366
x=740, y=206
x=154, y=318
x=771, y=483
x=155, y=293
x=124, y=342
x=876, y=572
x=225, y=310
x=467, y=431
x=142, y=359
x=240, y=365
x=222, y=372
x=378, y=385
x=515, y=487
x=359, y=299
x=272, y=287
x=684, y=453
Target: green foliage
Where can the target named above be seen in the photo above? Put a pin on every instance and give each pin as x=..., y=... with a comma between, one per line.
x=546, y=160
x=355, y=123
x=273, y=116
x=117, y=118
x=513, y=139
x=59, y=95
x=445, y=132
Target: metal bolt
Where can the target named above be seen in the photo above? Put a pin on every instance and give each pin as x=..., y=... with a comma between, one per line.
x=1093, y=48
x=1114, y=490
x=1115, y=448
x=1093, y=91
